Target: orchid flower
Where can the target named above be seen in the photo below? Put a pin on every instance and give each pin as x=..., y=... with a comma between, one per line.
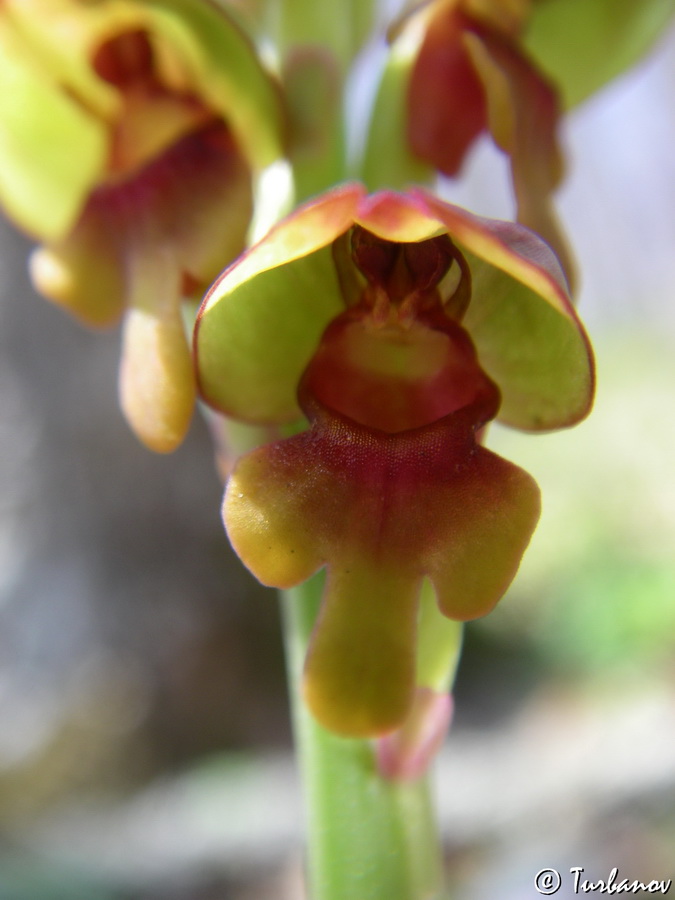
x=131, y=135
x=460, y=69
x=468, y=73
x=399, y=326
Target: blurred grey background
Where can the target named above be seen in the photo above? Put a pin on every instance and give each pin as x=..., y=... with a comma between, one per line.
x=144, y=737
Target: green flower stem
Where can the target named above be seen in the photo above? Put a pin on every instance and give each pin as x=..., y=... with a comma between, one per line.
x=368, y=837
x=338, y=28
x=387, y=160
x=439, y=644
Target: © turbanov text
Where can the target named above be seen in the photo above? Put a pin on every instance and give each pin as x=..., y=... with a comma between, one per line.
x=549, y=882
x=615, y=884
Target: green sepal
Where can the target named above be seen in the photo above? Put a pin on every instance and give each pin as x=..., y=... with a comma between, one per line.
x=583, y=44
x=42, y=182
x=56, y=111
x=227, y=73
x=262, y=320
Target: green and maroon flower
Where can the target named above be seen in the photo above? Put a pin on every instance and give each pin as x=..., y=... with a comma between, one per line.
x=468, y=74
x=131, y=135
x=460, y=69
x=400, y=326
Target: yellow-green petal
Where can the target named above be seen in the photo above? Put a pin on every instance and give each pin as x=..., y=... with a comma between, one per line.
x=52, y=150
x=521, y=320
x=227, y=74
x=156, y=380
x=359, y=674
x=262, y=320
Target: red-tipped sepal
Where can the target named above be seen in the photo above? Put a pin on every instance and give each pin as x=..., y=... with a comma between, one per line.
x=407, y=753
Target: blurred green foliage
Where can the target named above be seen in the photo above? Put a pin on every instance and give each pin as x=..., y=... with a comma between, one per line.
x=596, y=590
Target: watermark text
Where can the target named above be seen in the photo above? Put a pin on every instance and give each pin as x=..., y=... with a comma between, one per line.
x=549, y=881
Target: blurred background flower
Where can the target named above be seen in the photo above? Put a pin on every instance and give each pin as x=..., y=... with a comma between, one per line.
x=144, y=747
x=132, y=139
